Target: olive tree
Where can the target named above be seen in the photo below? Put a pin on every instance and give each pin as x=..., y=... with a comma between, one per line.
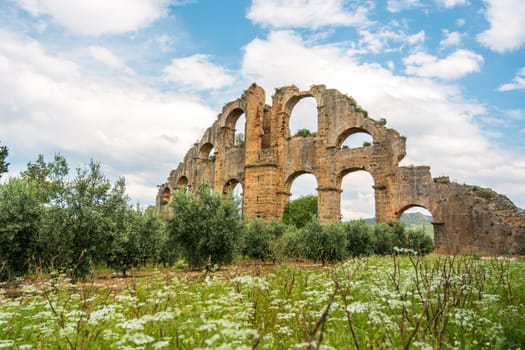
x=206, y=227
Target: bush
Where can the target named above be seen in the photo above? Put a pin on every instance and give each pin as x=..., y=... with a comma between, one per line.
x=420, y=242
x=303, y=132
x=206, y=227
x=360, y=238
x=257, y=237
x=287, y=246
x=384, y=239
x=324, y=243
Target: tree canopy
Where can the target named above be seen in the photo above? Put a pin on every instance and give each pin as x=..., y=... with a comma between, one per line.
x=300, y=211
x=4, y=166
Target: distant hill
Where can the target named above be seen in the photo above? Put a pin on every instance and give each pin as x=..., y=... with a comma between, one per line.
x=413, y=221
x=418, y=220
x=370, y=221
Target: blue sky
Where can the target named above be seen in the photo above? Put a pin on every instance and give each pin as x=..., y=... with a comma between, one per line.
x=133, y=83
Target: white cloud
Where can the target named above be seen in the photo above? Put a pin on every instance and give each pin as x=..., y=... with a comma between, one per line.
x=386, y=40
x=400, y=5
x=96, y=17
x=451, y=3
x=516, y=114
x=438, y=122
x=197, y=72
x=307, y=13
x=52, y=105
x=506, y=32
x=518, y=83
x=105, y=56
x=450, y=39
x=454, y=66
x=164, y=41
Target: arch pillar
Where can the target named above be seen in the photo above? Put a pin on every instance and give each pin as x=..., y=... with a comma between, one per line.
x=384, y=211
x=283, y=197
x=328, y=205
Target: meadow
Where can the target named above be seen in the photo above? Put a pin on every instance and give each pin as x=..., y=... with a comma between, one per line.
x=398, y=301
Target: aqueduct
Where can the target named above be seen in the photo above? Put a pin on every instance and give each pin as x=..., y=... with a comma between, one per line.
x=465, y=218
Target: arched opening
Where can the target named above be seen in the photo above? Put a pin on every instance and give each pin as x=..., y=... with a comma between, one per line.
x=302, y=184
x=234, y=188
x=416, y=217
x=302, y=205
x=239, y=131
x=357, y=196
x=234, y=128
x=303, y=118
x=354, y=138
x=182, y=184
x=207, y=151
x=165, y=196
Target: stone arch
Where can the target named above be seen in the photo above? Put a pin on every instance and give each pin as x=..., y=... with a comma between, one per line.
x=205, y=151
x=343, y=136
x=229, y=186
x=290, y=103
x=406, y=207
x=293, y=176
x=165, y=196
x=228, y=126
x=287, y=194
x=347, y=170
x=432, y=230
x=303, y=115
x=182, y=183
x=345, y=125
x=342, y=198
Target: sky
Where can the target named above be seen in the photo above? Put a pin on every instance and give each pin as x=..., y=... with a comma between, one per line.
x=133, y=84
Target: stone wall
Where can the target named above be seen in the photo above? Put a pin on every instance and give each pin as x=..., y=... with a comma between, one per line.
x=466, y=218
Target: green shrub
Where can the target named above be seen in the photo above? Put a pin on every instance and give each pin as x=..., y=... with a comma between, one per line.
x=287, y=246
x=384, y=239
x=303, y=132
x=361, y=240
x=257, y=237
x=420, y=242
x=205, y=227
x=324, y=243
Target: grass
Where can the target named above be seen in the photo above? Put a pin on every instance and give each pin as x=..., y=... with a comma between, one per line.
x=377, y=302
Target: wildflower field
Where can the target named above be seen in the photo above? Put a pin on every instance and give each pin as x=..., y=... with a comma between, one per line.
x=377, y=302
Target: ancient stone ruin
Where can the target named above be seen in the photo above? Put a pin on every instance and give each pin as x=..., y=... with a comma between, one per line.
x=467, y=219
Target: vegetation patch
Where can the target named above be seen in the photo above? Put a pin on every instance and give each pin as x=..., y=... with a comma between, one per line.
x=376, y=302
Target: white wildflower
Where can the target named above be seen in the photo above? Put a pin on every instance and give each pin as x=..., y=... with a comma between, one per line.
x=140, y=338
x=284, y=330
x=161, y=344
x=422, y=345
x=135, y=324
x=126, y=298
x=285, y=316
x=7, y=343
x=357, y=307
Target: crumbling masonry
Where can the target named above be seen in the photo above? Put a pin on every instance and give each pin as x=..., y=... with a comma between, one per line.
x=466, y=218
